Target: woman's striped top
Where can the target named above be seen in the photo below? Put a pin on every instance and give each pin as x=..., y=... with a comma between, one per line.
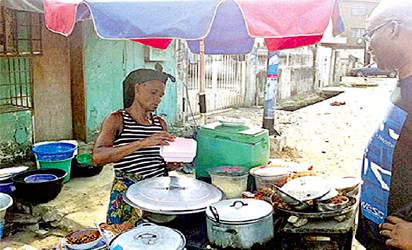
x=145, y=162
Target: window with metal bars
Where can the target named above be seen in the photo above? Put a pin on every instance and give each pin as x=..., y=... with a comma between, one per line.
x=15, y=84
x=20, y=33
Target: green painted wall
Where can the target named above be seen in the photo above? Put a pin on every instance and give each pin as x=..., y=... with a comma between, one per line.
x=106, y=63
x=15, y=136
x=15, y=127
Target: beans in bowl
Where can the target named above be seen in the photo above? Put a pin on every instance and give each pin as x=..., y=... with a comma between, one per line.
x=83, y=236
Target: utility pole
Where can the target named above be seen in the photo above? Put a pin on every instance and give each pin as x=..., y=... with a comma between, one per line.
x=270, y=92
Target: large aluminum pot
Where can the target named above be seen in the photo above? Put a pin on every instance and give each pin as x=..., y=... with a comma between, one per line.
x=162, y=199
x=149, y=236
x=239, y=223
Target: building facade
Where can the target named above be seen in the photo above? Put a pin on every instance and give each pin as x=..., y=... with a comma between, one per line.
x=355, y=14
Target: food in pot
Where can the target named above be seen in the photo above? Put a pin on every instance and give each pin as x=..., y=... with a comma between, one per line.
x=266, y=191
x=82, y=236
x=295, y=175
x=278, y=202
x=339, y=200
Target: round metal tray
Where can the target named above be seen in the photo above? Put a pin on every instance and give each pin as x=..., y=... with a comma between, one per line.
x=169, y=212
x=319, y=215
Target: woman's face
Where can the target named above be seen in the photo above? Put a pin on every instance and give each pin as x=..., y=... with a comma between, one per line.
x=149, y=94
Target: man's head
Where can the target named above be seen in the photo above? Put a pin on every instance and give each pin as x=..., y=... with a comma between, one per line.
x=146, y=87
x=389, y=32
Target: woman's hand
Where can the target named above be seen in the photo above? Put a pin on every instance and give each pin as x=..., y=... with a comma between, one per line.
x=171, y=166
x=161, y=138
x=398, y=231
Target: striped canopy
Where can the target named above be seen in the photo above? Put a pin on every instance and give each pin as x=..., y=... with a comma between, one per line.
x=227, y=26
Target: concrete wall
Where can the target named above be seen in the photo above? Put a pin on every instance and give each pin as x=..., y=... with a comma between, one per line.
x=296, y=74
x=52, y=94
x=107, y=63
x=324, y=60
x=15, y=136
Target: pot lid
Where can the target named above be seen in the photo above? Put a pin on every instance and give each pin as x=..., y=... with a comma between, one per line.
x=238, y=211
x=173, y=195
x=347, y=182
x=307, y=187
x=267, y=171
x=149, y=236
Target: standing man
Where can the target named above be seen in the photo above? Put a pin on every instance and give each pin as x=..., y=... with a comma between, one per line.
x=385, y=220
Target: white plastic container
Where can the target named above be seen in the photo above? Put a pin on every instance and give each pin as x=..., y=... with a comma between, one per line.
x=180, y=150
x=267, y=176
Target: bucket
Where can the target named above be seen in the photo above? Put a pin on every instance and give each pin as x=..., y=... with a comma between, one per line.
x=55, y=155
x=231, y=180
x=267, y=176
x=54, y=151
x=5, y=202
x=64, y=165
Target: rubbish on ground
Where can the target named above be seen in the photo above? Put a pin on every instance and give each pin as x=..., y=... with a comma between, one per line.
x=337, y=103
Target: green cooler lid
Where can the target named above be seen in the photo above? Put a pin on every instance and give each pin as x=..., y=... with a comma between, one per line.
x=243, y=133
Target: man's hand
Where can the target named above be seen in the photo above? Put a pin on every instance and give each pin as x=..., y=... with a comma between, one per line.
x=398, y=231
x=171, y=166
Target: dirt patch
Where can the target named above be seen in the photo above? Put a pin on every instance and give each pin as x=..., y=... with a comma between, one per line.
x=287, y=153
x=296, y=103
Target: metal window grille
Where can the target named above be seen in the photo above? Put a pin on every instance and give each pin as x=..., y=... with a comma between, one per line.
x=15, y=84
x=20, y=33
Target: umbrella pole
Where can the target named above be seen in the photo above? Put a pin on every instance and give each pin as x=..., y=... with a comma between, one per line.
x=202, y=94
x=270, y=92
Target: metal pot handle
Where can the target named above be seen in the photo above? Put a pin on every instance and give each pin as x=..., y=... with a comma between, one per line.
x=224, y=230
x=236, y=202
x=215, y=213
x=143, y=223
x=147, y=238
x=174, y=184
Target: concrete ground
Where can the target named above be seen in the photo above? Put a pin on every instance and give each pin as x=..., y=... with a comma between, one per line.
x=332, y=138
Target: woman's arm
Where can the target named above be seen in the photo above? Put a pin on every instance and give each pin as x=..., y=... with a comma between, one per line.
x=105, y=152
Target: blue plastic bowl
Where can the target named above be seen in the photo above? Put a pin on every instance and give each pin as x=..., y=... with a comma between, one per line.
x=54, y=151
x=7, y=187
x=40, y=178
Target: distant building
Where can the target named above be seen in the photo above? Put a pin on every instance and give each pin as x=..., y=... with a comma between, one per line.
x=355, y=14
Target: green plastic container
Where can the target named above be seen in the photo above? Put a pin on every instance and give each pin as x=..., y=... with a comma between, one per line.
x=219, y=145
x=64, y=164
x=85, y=158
